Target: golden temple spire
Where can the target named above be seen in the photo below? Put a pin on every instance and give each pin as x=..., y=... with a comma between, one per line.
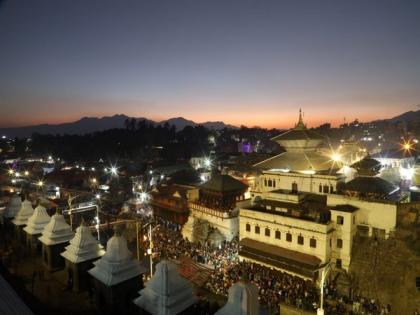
x=300, y=124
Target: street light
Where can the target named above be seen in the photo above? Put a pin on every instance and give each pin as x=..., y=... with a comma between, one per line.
x=325, y=270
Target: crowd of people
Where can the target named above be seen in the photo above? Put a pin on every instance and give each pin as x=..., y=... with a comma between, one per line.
x=275, y=287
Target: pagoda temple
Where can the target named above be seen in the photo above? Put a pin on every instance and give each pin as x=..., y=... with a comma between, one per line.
x=214, y=215
x=166, y=293
x=242, y=300
x=55, y=237
x=79, y=256
x=117, y=276
x=34, y=227
x=25, y=212
x=367, y=183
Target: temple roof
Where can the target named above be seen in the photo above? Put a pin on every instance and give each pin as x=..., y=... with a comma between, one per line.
x=13, y=206
x=223, y=183
x=299, y=138
x=366, y=164
x=24, y=213
x=117, y=264
x=167, y=293
x=37, y=222
x=242, y=300
x=369, y=184
x=300, y=161
x=83, y=246
x=57, y=231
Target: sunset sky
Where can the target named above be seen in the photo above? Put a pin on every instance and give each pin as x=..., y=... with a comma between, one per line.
x=243, y=62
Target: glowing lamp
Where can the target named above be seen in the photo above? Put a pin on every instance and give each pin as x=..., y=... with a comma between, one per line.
x=336, y=157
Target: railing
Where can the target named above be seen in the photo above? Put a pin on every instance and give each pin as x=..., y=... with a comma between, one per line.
x=213, y=212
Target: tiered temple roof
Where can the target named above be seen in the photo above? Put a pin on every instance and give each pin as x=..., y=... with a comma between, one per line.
x=304, y=152
x=242, y=300
x=83, y=246
x=57, y=231
x=167, y=293
x=13, y=207
x=117, y=264
x=37, y=222
x=25, y=212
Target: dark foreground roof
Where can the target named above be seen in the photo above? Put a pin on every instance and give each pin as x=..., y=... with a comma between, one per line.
x=10, y=302
x=224, y=183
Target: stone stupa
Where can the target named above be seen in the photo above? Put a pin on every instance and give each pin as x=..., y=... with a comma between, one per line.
x=35, y=226
x=21, y=218
x=242, y=300
x=79, y=256
x=55, y=237
x=117, y=276
x=167, y=293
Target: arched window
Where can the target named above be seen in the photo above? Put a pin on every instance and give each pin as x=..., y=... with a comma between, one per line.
x=277, y=235
x=288, y=237
x=331, y=189
x=325, y=189
x=270, y=183
x=320, y=188
x=312, y=243
x=257, y=230
x=248, y=227
x=267, y=232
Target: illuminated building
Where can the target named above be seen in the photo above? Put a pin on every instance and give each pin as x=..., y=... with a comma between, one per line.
x=214, y=216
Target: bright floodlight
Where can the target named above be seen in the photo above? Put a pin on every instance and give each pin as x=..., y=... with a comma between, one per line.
x=26, y=173
x=143, y=197
x=207, y=162
x=17, y=174
x=11, y=172
x=406, y=146
x=113, y=170
x=336, y=157
x=40, y=183
x=98, y=196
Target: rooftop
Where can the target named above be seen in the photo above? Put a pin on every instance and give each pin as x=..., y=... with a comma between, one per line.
x=223, y=183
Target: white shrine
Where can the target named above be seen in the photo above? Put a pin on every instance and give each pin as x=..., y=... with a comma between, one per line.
x=242, y=300
x=117, y=276
x=13, y=207
x=21, y=218
x=55, y=237
x=79, y=256
x=34, y=227
x=167, y=293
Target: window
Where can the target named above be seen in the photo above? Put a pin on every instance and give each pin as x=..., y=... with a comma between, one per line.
x=294, y=187
x=312, y=243
x=270, y=183
x=339, y=243
x=354, y=219
x=248, y=227
x=274, y=183
x=288, y=237
x=340, y=219
x=257, y=230
x=265, y=182
x=330, y=242
x=300, y=240
x=325, y=189
x=267, y=232
x=320, y=188
x=331, y=189
x=277, y=235
x=338, y=263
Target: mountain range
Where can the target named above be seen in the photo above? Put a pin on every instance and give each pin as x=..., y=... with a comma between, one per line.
x=92, y=124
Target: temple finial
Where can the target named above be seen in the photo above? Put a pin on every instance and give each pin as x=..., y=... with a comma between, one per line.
x=300, y=124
